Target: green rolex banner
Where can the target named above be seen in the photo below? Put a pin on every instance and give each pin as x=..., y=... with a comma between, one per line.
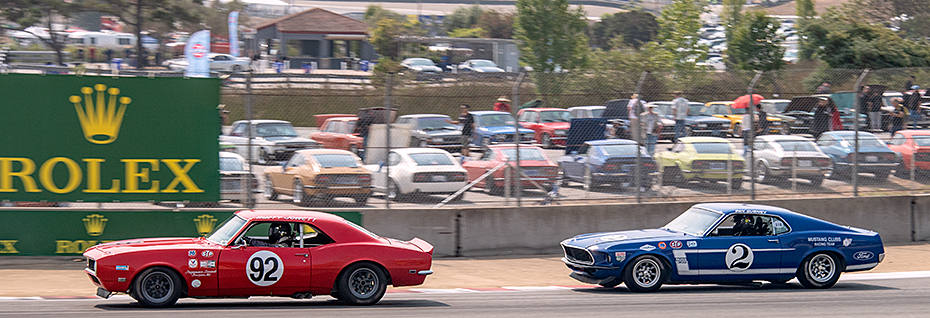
x=96, y=138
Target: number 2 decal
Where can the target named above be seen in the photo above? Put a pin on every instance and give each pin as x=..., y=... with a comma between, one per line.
x=264, y=268
x=739, y=257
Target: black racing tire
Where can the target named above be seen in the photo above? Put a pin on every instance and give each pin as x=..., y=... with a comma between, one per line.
x=820, y=270
x=393, y=192
x=362, y=284
x=762, y=173
x=493, y=189
x=612, y=284
x=157, y=287
x=236, y=68
x=645, y=274
x=672, y=175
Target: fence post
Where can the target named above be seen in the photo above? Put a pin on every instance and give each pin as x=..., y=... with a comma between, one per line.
x=750, y=109
x=387, y=124
x=855, y=168
x=638, y=170
x=518, y=191
x=250, y=199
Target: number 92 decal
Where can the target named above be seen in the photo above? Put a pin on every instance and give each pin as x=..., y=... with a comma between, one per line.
x=264, y=268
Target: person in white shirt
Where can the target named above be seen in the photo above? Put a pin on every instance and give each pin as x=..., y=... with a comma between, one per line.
x=651, y=127
x=680, y=111
x=631, y=106
x=747, y=128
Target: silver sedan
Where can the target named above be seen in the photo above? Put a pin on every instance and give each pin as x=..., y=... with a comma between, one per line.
x=781, y=156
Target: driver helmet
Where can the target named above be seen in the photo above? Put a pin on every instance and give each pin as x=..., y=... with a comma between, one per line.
x=279, y=232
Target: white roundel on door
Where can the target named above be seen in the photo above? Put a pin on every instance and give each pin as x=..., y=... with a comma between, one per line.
x=739, y=257
x=264, y=268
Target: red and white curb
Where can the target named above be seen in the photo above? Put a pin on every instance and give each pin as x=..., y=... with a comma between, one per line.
x=847, y=277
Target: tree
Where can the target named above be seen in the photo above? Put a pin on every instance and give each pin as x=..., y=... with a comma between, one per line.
x=551, y=34
x=28, y=13
x=677, y=41
x=804, y=9
x=755, y=45
x=733, y=14
x=475, y=22
x=138, y=13
x=635, y=27
x=387, y=28
x=463, y=18
x=496, y=24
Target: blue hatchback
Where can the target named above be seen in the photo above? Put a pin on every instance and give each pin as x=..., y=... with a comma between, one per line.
x=874, y=155
x=608, y=161
x=493, y=127
x=724, y=243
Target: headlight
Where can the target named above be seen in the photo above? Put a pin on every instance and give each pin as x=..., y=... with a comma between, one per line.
x=437, y=139
x=702, y=125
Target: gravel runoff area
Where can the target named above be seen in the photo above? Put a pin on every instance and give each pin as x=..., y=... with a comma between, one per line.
x=26, y=276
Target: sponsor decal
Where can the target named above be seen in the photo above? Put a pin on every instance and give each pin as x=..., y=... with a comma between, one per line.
x=647, y=247
x=825, y=240
x=206, y=254
x=8, y=247
x=692, y=244
x=94, y=224
x=620, y=256
x=136, y=174
x=191, y=253
x=739, y=257
x=750, y=211
x=208, y=264
x=674, y=244
x=195, y=283
x=284, y=218
x=192, y=263
x=847, y=241
x=100, y=117
x=264, y=268
x=205, y=224
x=121, y=279
x=74, y=247
x=863, y=255
x=609, y=238
x=662, y=245
x=122, y=267
x=681, y=260
x=203, y=273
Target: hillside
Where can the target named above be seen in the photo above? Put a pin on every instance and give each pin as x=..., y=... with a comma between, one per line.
x=789, y=8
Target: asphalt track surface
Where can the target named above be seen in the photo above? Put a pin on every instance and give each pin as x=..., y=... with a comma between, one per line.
x=863, y=295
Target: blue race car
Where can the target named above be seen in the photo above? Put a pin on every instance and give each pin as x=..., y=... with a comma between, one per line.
x=493, y=127
x=724, y=243
x=874, y=155
x=608, y=161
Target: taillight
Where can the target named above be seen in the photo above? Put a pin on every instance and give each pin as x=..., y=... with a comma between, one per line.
x=420, y=177
x=822, y=162
x=851, y=157
x=459, y=177
x=700, y=165
x=786, y=161
x=737, y=165
x=550, y=171
x=364, y=179
x=322, y=179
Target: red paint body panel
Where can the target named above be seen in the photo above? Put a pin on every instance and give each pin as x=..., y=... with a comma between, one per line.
x=338, y=137
x=543, y=127
x=477, y=168
x=910, y=148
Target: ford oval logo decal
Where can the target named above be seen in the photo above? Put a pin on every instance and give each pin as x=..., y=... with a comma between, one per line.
x=863, y=255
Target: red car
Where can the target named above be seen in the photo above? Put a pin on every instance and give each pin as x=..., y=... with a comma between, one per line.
x=912, y=144
x=533, y=164
x=295, y=254
x=550, y=124
x=338, y=133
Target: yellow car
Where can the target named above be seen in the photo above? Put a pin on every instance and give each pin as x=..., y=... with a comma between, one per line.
x=701, y=159
x=735, y=115
x=319, y=174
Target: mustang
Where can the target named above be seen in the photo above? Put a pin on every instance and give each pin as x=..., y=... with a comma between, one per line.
x=304, y=254
x=724, y=243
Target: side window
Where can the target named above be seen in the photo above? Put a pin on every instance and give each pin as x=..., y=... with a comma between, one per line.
x=779, y=227
x=897, y=140
x=312, y=236
x=283, y=234
x=592, y=151
x=679, y=147
x=338, y=127
x=575, y=113
x=745, y=225
x=487, y=155
x=825, y=141
x=325, y=127
x=393, y=159
x=296, y=161
x=758, y=145
x=584, y=149
x=239, y=130
x=524, y=116
x=534, y=117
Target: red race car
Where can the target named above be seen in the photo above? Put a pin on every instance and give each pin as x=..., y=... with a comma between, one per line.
x=914, y=147
x=533, y=163
x=550, y=124
x=295, y=254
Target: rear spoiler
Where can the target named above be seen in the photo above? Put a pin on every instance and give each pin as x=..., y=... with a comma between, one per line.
x=423, y=245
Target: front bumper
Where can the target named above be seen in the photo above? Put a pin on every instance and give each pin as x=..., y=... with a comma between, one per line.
x=337, y=190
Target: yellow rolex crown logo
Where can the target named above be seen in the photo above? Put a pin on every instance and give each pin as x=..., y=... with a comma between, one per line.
x=94, y=224
x=100, y=116
x=205, y=224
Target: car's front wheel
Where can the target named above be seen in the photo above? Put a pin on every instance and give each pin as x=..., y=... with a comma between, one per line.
x=820, y=270
x=157, y=287
x=645, y=274
x=362, y=284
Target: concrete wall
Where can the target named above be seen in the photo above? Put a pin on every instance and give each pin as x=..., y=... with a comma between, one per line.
x=539, y=229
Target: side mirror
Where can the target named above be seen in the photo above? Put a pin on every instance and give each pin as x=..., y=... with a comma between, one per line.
x=380, y=165
x=283, y=163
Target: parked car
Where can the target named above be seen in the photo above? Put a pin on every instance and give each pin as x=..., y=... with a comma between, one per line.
x=480, y=66
x=724, y=243
x=610, y=161
x=698, y=122
x=701, y=158
x=261, y=253
x=780, y=156
x=319, y=174
x=586, y=111
x=735, y=115
x=874, y=156
x=533, y=163
x=420, y=65
x=493, y=127
x=432, y=130
x=272, y=140
x=235, y=179
x=776, y=108
x=549, y=124
x=914, y=149
x=339, y=133
x=219, y=62
x=416, y=172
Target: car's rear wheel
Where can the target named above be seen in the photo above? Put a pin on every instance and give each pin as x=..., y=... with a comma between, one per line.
x=645, y=274
x=393, y=192
x=762, y=173
x=672, y=175
x=362, y=284
x=736, y=183
x=270, y=194
x=820, y=270
x=299, y=196
x=157, y=287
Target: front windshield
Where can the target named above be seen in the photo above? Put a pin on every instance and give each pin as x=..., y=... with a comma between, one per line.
x=491, y=120
x=336, y=160
x=555, y=116
x=695, y=221
x=525, y=154
x=663, y=109
x=434, y=123
x=698, y=110
x=780, y=106
x=797, y=145
x=275, y=130
x=711, y=147
x=922, y=141
x=597, y=112
x=231, y=164
x=223, y=233
x=618, y=150
x=482, y=63
x=431, y=159
x=865, y=141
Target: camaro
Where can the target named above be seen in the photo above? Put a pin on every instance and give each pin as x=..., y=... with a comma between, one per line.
x=724, y=243
x=296, y=254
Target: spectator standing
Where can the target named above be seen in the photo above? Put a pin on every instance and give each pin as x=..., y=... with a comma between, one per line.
x=821, y=118
x=746, y=128
x=93, y=58
x=365, y=118
x=467, y=120
x=502, y=104
x=680, y=111
x=874, y=102
x=910, y=82
x=898, y=114
x=762, y=126
x=109, y=53
x=824, y=88
x=912, y=103
x=651, y=127
x=634, y=107
x=80, y=55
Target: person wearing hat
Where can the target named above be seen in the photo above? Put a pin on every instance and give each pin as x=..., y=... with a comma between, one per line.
x=502, y=104
x=912, y=103
x=651, y=128
x=224, y=115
